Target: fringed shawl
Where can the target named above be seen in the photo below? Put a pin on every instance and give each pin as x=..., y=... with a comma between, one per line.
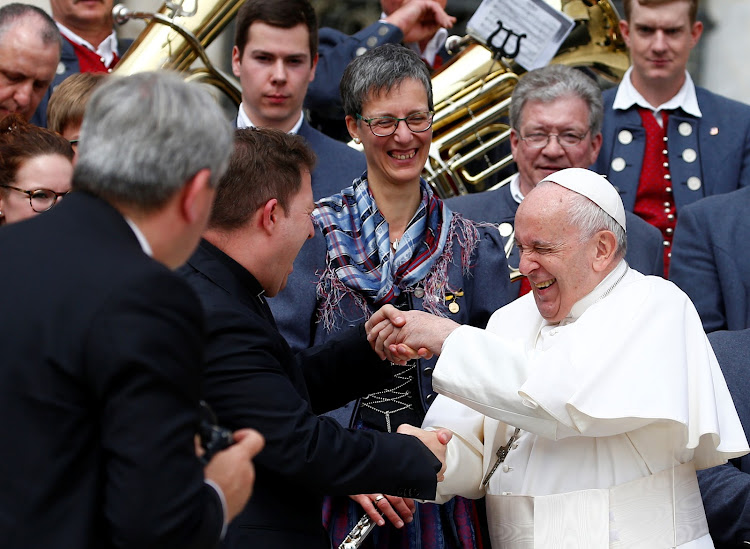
x=361, y=264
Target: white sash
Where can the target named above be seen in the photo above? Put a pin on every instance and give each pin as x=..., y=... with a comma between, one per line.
x=635, y=515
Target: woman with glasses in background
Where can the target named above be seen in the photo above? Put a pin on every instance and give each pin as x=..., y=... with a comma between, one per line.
x=35, y=169
x=388, y=238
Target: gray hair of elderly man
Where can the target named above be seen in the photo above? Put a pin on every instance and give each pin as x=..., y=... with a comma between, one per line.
x=12, y=13
x=144, y=136
x=380, y=70
x=590, y=219
x=554, y=82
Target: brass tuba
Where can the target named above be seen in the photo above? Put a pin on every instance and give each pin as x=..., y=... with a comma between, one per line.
x=176, y=36
x=472, y=96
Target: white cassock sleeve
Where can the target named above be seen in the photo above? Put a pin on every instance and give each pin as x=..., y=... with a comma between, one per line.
x=636, y=357
x=463, y=461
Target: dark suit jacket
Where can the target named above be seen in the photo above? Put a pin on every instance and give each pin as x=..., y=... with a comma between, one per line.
x=253, y=379
x=726, y=488
x=69, y=65
x=710, y=260
x=645, y=252
x=99, y=388
x=721, y=140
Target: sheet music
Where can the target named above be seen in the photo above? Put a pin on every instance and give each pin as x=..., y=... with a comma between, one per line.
x=545, y=27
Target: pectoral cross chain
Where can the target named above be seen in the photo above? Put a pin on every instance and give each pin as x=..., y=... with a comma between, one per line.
x=501, y=454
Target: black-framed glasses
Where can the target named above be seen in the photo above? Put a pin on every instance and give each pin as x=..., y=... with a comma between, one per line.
x=540, y=140
x=40, y=200
x=383, y=126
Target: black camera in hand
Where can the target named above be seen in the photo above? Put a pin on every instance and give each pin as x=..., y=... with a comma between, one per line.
x=213, y=438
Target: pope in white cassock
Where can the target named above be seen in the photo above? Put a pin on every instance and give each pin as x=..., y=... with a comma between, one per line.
x=584, y=408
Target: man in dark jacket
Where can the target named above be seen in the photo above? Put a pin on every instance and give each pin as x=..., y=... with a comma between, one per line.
x=726, y=489
x=258, y=225
x=102, y=343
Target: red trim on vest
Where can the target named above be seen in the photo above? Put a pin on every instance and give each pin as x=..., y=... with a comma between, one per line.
x=525, y=286
x=90, y=61
x=654, y=200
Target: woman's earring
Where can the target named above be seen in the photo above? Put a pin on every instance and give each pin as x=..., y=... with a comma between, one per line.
x=357, y=141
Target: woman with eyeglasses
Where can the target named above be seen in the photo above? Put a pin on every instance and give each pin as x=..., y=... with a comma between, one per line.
x=389, y=239
x=35, y=169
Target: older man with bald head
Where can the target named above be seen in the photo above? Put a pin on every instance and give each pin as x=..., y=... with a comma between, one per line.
x=584, y=408
x=29, y=54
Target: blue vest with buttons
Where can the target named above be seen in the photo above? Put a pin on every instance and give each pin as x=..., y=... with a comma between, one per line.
x=708, y=155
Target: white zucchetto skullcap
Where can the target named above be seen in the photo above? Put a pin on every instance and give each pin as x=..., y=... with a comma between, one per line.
x=594, y=187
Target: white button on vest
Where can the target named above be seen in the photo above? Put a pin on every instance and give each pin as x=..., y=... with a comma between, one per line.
x=689, y=155
x=685, y=129
x=618, y=164
x=694, y=183
x=505, y=229
x=625, y=137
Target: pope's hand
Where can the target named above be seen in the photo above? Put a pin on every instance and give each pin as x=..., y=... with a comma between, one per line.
x=403, y=335
x=436, y=441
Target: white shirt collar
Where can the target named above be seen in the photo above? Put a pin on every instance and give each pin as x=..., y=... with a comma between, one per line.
x=107, y=50
x=685, y=99
x=141, y=238
x=432, y=48
x=515, y=188
x=243, y=120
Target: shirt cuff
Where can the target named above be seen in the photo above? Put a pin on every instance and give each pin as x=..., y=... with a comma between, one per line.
x=224, y=510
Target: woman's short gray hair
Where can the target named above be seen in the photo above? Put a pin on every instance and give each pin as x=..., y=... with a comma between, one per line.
x=378, y=70
x=143, y=136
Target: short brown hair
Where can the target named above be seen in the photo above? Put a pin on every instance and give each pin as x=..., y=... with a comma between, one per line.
x=68, y=102
x=628, y=6
x=285, y=14
x=21, y=141
x=264, y=164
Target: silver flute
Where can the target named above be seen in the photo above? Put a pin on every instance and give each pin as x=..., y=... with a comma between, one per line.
x=361, y=530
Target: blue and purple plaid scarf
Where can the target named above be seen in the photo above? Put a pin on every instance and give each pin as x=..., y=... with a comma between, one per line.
x=362, y=264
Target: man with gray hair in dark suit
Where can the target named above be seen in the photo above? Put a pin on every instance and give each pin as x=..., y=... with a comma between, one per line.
x=102, y=343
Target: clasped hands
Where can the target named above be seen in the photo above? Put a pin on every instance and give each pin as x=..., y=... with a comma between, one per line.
x=401, y=510
x=400, y=336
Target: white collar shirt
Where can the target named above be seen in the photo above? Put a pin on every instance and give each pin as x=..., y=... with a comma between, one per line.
x=515, y=188
x=107, y=50
x=243, y=121
x=141, y=237
x=685, y=99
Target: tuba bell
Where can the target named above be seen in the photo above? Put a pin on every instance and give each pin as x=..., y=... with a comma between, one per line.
x=176, y=36
x=472, y=97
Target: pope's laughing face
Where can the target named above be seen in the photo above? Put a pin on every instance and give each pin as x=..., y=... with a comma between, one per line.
x=555, y=256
